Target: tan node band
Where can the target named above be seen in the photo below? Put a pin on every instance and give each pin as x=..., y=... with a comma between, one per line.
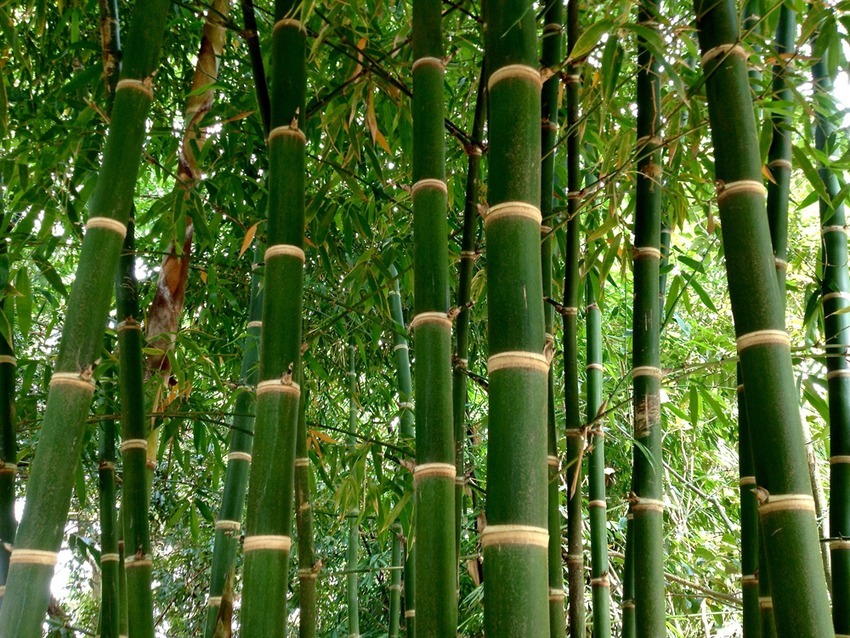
x=268, y=542
x=214, y=601
x=739, y=388
x=576, y=432
x=781, y=264
x=780, y=163
x=787, y=502
x=647, y=371
x=439, y=318
x=602, y=581
x=647, y=504
x=135, y=85
x=132, y=325
x=765, y=601
x=628, y=604
x=598, y=503
x=287, y=131
x=514, y=71
x=228, y=526
x=400, y=346
x=302, y=462
x=109, y=558
x=307, y=573
x=575, y=559
x=552, y=461
x=275, y=385
x=288, y=22
x=749, y=579
x=724, y=49
x=460, y=481
x=594, y=366
x=134, y=444
x=33, y=557
x=836, y=295
x=648, y=139
x=833, y=229
x=569, y=311
x=434, y=470
x=138, y=561
x=409, y=613
x=518, y=360
x=428, y=61
x=405, y=405
x=646, y=252
x=107, y=223
x=553, y=27
x=429, y=182
x=2, y=590
x=468, y=254
x=573, y=78
x=284, y=250
x=763, y=338
x=749, y=186
x=513, y=209
x=556, y=594
x=836, y=374
x=12, y=468
x=842, y=544
x=7, y=358
x=71, y=378
x=239, y=456
x=515, y=535
x=747, y=480
x=255, y=324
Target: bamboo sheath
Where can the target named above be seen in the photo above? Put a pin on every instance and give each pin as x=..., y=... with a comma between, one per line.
x=572, y=293
x=308, y=566
x=835, y=288
x=786, y=513
x=648, y=550
x=226, y=542
x=552, y=53
x=51, y=478
x=515, y=541
x=406, y=435
x=434, y=492
x=271, y=492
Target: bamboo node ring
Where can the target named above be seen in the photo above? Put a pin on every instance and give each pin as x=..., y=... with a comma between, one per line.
x=405, y=405
x=73, y=379
x=107, y=223
x=228, y=526
x=836, y=295
x=763, y=338
x=552, y=461
x=267, y=542
x=214, y=601
x=553, y=27
x=287, y=131
x=647, y=371
x=513, y=209
x=838, y=374
x=134, y=444
x=138, y=560
x=645, y=252
x=833, y=229
x=749, y=579
x=109, y=558
x=12, y=468
x=7, y=358
x=279, y=387
x=307, y=572
x=515, y=71
x=601, y=504
x=627, y=604
x=765, y=601
x=434, y=470
x=437, y=63
x=289, y=22
x=135, y=85
x=839, y=459
x=439, y=318
x=129, y=324
x=647, y=504
x=747, y=186
x=787, y=502
x=594, y=366
x=409, y=613
x=255, y=324
x=34, y=557
x=724, y=49
x=556, y=594
x=429, y=182
x=518, y=360
x=400, y=346
x=302, y=461
x=747, y=480
x=780, y=264
x=842, y=544
x=284, y=250
x=494, y=535
x=780, y=163
x=648, y=140
x=740, y=388
x=239, y=456
x=602, y=581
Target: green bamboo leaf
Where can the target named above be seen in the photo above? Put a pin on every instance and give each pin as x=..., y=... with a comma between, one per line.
x=801, y=159
x=589, y=38
x=23, y=302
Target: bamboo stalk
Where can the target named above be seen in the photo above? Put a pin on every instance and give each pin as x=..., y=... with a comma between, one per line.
x=435, y=471
x=786, y=510
x=397, y=563
x=229, y=524
x=516, y=539
x=269, y=518
x=8, y=431
x=836, y=292
x=109, y=557
x=353, y=516
x=51, y=479
x=308, y=565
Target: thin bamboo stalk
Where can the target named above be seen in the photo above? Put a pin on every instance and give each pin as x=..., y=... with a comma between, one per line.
x=271, y=492
x=836, y=292
x=109, y=557
x=8, y=431
x=786, y=510
x=435, y=471
x=229, y=524
x=515, y=540
x=352, y=560
x=553, y=52
x=308, y=566
x=397, y=563
x=51, y=479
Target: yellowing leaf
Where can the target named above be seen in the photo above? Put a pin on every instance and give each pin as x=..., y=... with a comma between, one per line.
x=249, y=237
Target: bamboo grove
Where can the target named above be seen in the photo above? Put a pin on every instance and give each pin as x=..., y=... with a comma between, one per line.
x=424, y=318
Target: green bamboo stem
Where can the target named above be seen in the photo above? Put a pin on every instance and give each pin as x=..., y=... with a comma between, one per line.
x=134, y=433
x=352, y=560
x=597, y=505
x=647, y=499
x=406, y=435
x=572, y=293
x=786, y=510
x=553, y=52
x=109, y=557
x=123, y=621
x=8, y=431
x=627, y=603
x=516, y=539
x=750, y=574
x=51, y=479
x=308, y=566
x=229, y=524
x=397, y=563
x=271, y=492
x=836, y=291
x=435, y=471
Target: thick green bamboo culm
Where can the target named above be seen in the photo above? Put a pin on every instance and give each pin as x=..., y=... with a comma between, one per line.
x=786, y=509
x=51, y=479
x=406, y=435
x=229, y=524
x=553, y=53
x=308, y=566
x=836, y=291
x=569, y=312
x=109, y=558
x=597, y=501
x=268, y=525
x=647, y=506
x=515, y=541
x=352, y=560
x=8, y=433
x=435, y=471
x=135, y=493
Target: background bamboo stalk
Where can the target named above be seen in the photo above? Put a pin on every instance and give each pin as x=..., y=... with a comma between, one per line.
x=352, y=518
x=308, y=564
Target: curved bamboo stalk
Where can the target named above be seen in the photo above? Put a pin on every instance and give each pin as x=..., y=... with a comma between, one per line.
x=786, y=510
x=308, y=566
x=51, y=480
x=352, y=561
x=270, y=496
x=516, y=539
x=435, y=471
